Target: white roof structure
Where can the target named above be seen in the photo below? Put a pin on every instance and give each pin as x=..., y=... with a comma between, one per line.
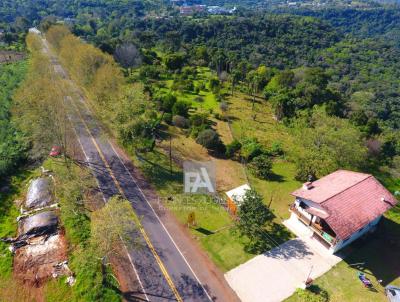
x=238, y=193
x=34, y=30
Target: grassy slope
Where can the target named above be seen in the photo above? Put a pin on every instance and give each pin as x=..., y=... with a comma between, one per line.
x=225, y=247
x=277, y=190
x=209, y=101
x=214, y=225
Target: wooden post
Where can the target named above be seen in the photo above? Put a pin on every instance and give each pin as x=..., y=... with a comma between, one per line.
x=170, y=154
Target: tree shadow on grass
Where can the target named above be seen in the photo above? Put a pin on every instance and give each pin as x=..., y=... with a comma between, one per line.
x=276, y=177
x=159, y=175
x=204, y=231
x=270, y=238
x=8, y=190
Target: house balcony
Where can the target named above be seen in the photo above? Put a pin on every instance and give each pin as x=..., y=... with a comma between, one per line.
x=321, y=232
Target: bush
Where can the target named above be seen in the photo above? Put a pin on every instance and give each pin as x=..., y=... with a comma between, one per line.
x=210, y=139
x=198, y=119
x=174, y=61
x=233, y=148
x=223, y=106
x=251, y=148
x=167, y=118
x=165, y=100
x=180, y=121
x=201, y=86
x=215, y=85
x=276, y=149
x=217, y=116
x=261, y=166
x=181, y=108
x=305, y=170
x=194, y=131
x=182, y=84
x=313, y=294
x=199, y=99
x=150, y=72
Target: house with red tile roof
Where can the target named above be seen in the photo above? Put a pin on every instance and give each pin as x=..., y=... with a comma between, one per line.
x=341, y=207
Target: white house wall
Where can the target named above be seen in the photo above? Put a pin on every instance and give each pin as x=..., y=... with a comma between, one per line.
x=341, y=244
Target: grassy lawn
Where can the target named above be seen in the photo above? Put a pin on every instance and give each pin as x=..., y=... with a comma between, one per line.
x=263, y=126
x=276, y=192
x=209, y=102
x=267, y=130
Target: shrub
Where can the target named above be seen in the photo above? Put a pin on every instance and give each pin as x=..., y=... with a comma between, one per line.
x=167, y=118
x=261, y=166
x=214, y=85
x=223, y=106
x=149, y=72
x=210, y=139
x=201, y=86
x=276, y=149
x=233, y=148
x=199, y=99
x=174, y=61
x=217, y=116
x=314, y=294
x=181, y=108
x=167, y=101
x=198, y=119
x=180, y=121
x=194, y=131
x=251, y=148
x=305, y=169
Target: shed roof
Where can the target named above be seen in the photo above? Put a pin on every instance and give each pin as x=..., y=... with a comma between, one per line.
x=237, y=194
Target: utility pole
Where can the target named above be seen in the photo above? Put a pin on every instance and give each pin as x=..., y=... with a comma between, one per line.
x=170, y=154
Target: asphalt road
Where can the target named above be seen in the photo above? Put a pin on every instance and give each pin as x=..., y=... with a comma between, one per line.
x=163, y=271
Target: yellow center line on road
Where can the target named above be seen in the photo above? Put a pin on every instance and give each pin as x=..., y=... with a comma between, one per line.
x=145, y=236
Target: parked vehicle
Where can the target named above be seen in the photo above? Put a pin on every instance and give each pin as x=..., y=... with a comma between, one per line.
x=55, y=151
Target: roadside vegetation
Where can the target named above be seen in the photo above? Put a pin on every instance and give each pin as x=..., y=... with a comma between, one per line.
x=13, y=146
x=39, y=115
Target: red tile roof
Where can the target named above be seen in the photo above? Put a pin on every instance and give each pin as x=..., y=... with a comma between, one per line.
x=352, y=200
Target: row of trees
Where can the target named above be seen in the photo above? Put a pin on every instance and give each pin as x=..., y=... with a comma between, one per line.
x=38, y=104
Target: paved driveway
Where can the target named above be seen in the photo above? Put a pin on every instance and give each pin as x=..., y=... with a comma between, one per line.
x=275, y=275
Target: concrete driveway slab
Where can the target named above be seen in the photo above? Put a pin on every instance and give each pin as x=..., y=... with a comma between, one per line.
x=275, y=275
